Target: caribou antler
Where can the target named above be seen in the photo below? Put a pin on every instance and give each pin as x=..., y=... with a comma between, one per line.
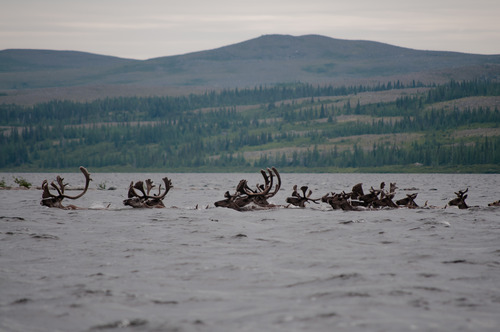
x=357, y=191
x=145, y=199
x=278, y=185
x=460, y=199
x=391, y=193
x=87, y=182
x=244, y=195
x=260, y=191
x=299, y=200
x=51, y=200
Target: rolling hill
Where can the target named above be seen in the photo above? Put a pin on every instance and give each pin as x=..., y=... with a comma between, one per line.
x=29, y=76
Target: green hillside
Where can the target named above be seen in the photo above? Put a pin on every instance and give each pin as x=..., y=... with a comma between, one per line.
x=393, y=126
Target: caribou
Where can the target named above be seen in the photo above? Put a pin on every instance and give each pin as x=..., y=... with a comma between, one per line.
x=55, y=201
x=460, y=199
x=376, y=198
x=339, y=201
x=246, y=198
x=357, y=199
x=386, y=197
x=367, y=200
x=408, y=201
x=300, y=201
x=145, y=199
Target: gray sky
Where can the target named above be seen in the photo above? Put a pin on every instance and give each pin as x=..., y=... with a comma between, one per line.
x=142, y=29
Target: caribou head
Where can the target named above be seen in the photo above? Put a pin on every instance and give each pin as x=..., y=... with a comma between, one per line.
x=144, y=199
x=299, y=200
x=370, y=198
x=245, y=197
x=339, y=201
x=408, y=201
x=55, y=201
x=386, y=197
x=460, y=199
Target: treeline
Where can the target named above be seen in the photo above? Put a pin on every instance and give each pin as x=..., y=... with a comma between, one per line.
x=427, y=153
x=125, y=109
x=455, y=90
x=225, y=136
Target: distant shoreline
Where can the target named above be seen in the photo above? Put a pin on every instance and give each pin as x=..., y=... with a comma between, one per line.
x=400, y=169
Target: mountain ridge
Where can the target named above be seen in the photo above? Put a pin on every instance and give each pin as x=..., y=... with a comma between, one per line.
x=284, y=41
x=265, y=60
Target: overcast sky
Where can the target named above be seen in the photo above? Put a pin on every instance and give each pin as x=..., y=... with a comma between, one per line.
x=142, y=29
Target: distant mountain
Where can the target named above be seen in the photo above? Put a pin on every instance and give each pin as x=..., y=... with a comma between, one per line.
x=21, y=60
x=312, y=58
x=28, y=69
x=266, y=60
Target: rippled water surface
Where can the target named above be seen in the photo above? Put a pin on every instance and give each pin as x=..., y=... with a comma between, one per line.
x=194, y=267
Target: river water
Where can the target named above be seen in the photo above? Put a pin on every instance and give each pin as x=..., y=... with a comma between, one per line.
x=194, y=267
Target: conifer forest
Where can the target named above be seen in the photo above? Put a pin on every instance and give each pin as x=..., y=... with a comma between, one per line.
x=295, y=127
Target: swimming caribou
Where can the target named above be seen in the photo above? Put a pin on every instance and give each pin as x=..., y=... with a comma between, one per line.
x=245, y=198
x=55, y=201
x=145, y=199
x=140, y=195
x=460, y=199
x=300, y=201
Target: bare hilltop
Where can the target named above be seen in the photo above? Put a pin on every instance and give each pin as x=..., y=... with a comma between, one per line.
x=31, y=76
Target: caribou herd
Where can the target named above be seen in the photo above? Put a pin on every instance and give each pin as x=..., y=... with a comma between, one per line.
x=244, y=198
